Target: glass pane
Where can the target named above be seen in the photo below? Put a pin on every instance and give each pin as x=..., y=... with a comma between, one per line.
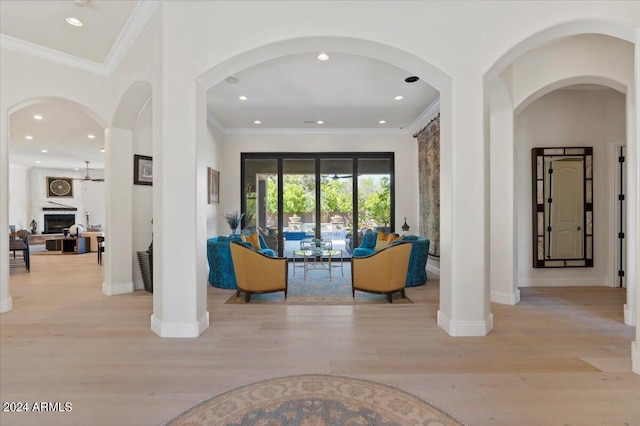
x=261, y=199
x=374, y=194
x=336, y=202
x=299, y=202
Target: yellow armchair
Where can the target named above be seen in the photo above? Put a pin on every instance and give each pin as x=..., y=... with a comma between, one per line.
x=384, y=271
x=257, y=272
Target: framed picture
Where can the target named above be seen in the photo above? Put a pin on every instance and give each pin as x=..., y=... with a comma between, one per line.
x=214, y=186
x=59, y=187
x=142, y=170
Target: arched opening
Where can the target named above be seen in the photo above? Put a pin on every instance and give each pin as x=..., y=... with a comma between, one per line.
x=561, y=64
x=230, y=198
x=130, y=212
x=56, y=178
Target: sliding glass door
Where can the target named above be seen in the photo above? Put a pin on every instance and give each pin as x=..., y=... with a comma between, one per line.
x=336, y=197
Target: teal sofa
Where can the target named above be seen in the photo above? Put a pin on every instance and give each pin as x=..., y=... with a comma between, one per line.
x=416, y=274
x=221, y=273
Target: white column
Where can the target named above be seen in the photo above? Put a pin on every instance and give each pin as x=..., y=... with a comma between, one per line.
x=179, y=290
x=6, y=303
x=464, y=293
x=634, y=141
x=502, y=242
x=631, y=233
x=118, y=276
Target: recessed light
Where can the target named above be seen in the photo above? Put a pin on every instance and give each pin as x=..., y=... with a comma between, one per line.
x=257, y=122
x=242, y=98
x=37, y=117
x=76, y=169
x=91, y=136
x=232, y=80
x=44, y=150
x=28, y=137
x=38, y=161
x=323, y=57
x=101, y=149
x=399, y=98
x=381, y=122
x=412, y=79
x=319, y=122
x=74, y=21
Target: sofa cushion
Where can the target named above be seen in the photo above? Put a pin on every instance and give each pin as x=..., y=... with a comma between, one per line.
x=369, y=240
x=254, y=239
x=383, y=239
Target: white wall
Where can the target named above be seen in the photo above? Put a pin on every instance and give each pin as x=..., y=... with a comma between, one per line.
x=569, y=118
x=404, y=146
x=212, y=157
x=19, y=202
x=142, y=194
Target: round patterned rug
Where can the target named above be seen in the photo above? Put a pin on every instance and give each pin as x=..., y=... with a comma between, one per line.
x=314, y=400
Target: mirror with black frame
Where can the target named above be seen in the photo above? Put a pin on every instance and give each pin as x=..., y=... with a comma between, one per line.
x=562, y=207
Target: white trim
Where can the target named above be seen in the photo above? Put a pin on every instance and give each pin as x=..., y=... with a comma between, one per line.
x=635, y=357
x=213, y=120
x=6, y=305
x=121, y=288
x=563, y=282
x=465, y=328
x=294, y=131
x=140, y=16
x=41, y=52
x=506, y=298
x=179, y=329
x=426, y=116
x=630, y=317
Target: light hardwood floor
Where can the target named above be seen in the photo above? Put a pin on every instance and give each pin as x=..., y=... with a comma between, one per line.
x=560, y=357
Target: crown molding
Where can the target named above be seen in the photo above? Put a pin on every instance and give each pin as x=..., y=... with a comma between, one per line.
x=213, y=120
x=140, y=16
x=294, y=131
x=41, y=52
x=425, y=117
x=142, y=13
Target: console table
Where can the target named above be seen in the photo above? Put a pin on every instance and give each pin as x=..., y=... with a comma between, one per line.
x=75, y=245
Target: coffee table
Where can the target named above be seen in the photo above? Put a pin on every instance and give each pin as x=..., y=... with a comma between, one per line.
x=315, y=259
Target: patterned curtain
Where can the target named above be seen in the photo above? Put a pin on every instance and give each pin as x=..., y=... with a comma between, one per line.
x=429, y=183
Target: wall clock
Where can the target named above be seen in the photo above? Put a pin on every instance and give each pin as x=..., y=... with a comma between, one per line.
x=59, y=187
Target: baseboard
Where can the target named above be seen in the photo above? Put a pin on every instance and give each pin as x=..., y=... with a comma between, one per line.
x=433, y=266
x=635, y=357
x=465, y=328
x=563, y=282
x=6, y=305
x=630, y=317
x=511, y=298
x=179, y=329
x=112, y=290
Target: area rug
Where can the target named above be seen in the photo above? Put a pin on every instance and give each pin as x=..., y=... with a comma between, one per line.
x=317, y=289
x=314, y=400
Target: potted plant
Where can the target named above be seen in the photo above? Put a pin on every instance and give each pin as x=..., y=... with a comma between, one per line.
x=234, y=219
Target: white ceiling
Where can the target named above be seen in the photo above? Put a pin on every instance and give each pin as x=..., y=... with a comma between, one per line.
x=42, y=22
x=347, y=92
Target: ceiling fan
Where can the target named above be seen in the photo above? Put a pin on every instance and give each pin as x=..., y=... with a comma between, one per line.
x=88, y=177
x=336, y=176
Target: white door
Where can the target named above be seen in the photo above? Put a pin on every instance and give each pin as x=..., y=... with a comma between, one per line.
x=567, y=209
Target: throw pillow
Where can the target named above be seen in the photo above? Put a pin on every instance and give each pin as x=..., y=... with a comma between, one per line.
x=381, y=241
x=254, y=239
x=393, y=237
x=368, y=240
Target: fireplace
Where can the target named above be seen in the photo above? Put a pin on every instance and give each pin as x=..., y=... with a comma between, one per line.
x=54, y=223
